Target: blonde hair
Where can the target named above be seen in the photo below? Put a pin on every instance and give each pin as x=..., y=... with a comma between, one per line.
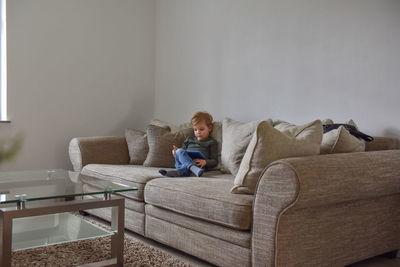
x=200, y=116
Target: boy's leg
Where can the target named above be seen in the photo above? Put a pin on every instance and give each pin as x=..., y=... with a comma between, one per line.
x=187, y=165
x=197, y=170
x=182, y=165
x=183, y=162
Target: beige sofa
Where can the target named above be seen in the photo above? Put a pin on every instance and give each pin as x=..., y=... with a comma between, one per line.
x=325, y=210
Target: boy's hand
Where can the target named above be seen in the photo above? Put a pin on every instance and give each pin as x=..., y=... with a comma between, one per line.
x=200, y=162
x=174, y=148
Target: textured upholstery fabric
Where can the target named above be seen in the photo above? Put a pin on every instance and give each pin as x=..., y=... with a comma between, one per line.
x=137, y=145
x=276, y=191
x=347, y=177
x=294, y=130
x=236, y=137
x=383, y=143
x=241, y=238
x=269, y=144
x=132, y=175
x=216, y=134
x=214, y=250
x=343, y=234
x=204, y=198
x=161, y=141
x=173, y=127
x=134, y=221
x=102, y=150
x=340, y=140
x=318, y=207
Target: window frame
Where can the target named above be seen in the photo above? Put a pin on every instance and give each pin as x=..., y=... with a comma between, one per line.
x=3, y=61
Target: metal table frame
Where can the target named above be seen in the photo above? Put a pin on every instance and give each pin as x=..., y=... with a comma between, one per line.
x=34, y=209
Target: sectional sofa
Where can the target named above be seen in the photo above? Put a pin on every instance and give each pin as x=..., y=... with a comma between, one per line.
x=319, y=210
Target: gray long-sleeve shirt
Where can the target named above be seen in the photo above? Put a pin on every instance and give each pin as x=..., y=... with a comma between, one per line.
x=209, y=148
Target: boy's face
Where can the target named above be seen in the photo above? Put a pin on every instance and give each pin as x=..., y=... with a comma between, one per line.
x=201, y=130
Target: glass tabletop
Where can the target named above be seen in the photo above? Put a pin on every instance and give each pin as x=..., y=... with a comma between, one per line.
x=50, y=184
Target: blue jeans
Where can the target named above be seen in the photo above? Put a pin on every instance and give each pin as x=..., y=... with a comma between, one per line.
x=183, y=162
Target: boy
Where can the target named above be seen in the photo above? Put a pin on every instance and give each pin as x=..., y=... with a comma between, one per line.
x=201, y=142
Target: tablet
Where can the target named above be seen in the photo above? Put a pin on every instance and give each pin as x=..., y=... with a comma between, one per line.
x=195, y=154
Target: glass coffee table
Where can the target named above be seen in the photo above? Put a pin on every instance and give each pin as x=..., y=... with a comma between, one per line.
x=35, y=211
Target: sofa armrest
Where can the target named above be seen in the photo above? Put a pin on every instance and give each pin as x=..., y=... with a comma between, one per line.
x=382, y=143
x=101, y=150
x=291, y=192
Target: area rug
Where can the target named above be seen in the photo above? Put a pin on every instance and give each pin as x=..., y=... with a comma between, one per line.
x=86, y=251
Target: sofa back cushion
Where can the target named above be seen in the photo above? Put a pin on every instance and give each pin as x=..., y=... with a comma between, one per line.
x=137, y=145
x=204, y=198
x=216, y=134
x=269, y=144
x=160, y=142
x=174, y=127
x=235, y=139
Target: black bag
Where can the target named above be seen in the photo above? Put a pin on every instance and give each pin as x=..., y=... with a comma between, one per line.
x=352, y=130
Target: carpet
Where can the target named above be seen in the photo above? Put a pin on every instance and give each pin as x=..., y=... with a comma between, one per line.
x=86, y=251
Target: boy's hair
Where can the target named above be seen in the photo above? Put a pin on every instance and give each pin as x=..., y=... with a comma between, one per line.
x=202, y=117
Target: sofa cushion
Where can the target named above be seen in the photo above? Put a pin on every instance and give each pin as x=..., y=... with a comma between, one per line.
x=238, y=237
x=236, y=137
x=294, y=130
x=269, y=144
x=340, y=140
x=132, y=175
x=137, y=145
x=161, y=141
x=206, y=198
x=173, y=127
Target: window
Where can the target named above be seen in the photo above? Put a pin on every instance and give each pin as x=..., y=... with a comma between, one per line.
x=3, y=62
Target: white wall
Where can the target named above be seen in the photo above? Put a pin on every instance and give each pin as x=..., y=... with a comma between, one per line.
x=293, y=60
x=76, y=68
x=96, y=67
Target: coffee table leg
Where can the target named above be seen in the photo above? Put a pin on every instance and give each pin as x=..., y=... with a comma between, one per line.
x=117, y=240
x=5, y=240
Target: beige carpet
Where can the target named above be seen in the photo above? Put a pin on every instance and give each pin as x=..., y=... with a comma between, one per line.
x=77, y=253
x=86, y=251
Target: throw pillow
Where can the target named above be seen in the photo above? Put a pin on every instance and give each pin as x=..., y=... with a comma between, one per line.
x=137, y=145
x=235, y=139
x=160, y=142
x=295, y=130
x=216, y=134
x=340, y=140
x=174, y=128
x=269, y=144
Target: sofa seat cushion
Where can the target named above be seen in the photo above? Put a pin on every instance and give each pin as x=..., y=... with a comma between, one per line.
x=237, y=237
x=131, y=175
x=206, y=198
